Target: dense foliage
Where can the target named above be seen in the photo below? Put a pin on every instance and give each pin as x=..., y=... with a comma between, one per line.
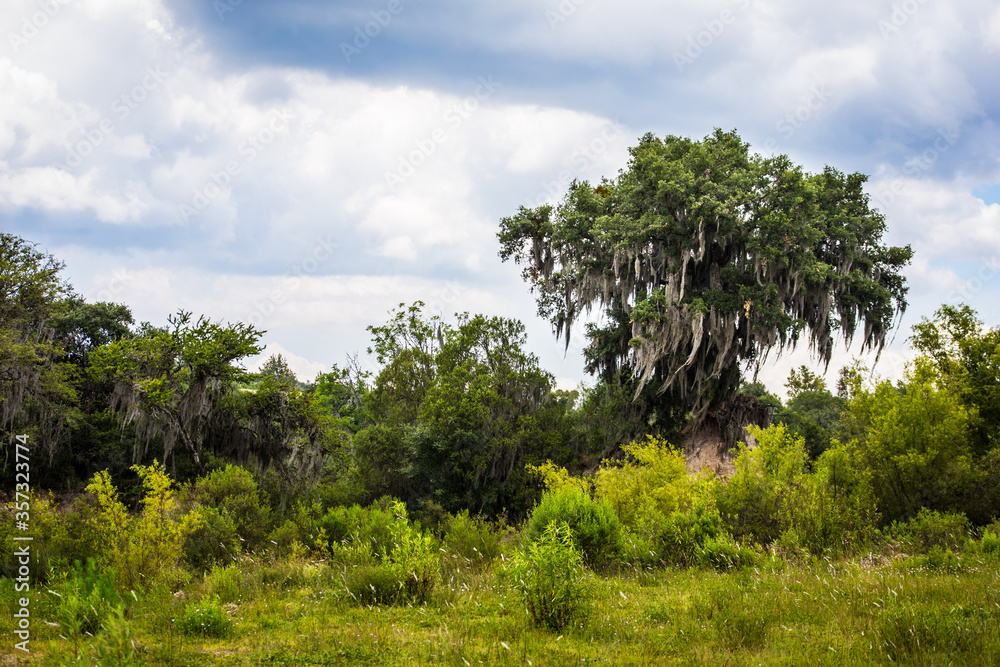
x=195, y=497
x=703, y=256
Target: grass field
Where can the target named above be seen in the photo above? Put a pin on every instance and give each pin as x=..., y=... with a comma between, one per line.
x=298, y=612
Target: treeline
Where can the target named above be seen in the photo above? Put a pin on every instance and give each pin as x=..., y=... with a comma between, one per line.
x=450, y=421
x=461, y=418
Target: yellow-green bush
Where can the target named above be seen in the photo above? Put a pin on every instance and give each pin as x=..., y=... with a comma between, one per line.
x=473, y=538
x=140, y=548
x=653, y=478
x=773, y=496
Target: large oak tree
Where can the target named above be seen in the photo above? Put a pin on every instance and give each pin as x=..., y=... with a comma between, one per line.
x=704, y=257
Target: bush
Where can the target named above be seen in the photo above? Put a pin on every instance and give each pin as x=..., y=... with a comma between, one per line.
x=758, y=498
x=116, y=646
x=412, y=558
x=206, y=619
x=213, y=541
x=373, y=584
x=655, y=479
x=682, y=536
x=473, y=538
x=991, y=539
x=284, y=536
x=774, y=496
x=596, y=529
x=358, y=534
x=724, y=553
x=407, y=557
x=233, y=493
x=931, y=529
x=233, y=583
x=60, y=536
x=549, y=575
x=140, y=548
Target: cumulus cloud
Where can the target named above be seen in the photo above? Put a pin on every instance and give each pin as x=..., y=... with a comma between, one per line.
x=174, y=166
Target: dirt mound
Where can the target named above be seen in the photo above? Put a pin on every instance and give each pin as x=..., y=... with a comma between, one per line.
x=713, y=444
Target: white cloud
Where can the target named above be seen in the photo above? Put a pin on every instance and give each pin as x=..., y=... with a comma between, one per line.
x=270, y=159
x=304, y=369
x=993, y=30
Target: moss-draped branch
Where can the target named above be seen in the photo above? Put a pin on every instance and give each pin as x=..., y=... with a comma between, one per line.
x=710, y=257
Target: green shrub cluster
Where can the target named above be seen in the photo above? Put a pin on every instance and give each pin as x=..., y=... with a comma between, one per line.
x=404, y=570
x=550, y=577
x=774, y=496
x=474, y=539
x=87, y=598
x=931, y=530
x=595, y=528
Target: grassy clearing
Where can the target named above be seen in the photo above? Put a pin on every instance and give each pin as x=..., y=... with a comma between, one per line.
x=302, y=613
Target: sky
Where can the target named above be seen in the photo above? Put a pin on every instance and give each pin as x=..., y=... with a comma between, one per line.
x=307, y=166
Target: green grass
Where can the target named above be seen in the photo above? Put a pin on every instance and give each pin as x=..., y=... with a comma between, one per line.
x=780, y=613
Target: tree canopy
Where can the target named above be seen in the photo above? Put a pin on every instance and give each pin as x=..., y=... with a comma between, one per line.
x=704, y=256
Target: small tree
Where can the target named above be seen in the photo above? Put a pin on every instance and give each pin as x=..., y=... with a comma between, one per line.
x=140, y=548
x=915, y=439
x=170, y=381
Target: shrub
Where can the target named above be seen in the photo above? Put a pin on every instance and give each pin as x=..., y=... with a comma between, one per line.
x=549, y=575
x=87, y=599
x=115, y=646
x=233, y=493
x=761, y=492
x=413, y=558
x=834, y=509
x=722, y=552
x=930, y=529
x=206, y=618
x=213, y=541
x=409, y=559
x=284, y=536
x=373, y=584
x=473, y=538
x=654, y=479
x=681, y=537
x=362, y=533
x=991, y=538
x=596, y=529
x=233, y=583
x=59, y=535
x=773, y=495
x=140, y=548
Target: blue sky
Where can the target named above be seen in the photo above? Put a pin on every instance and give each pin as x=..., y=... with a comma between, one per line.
x=309, y=165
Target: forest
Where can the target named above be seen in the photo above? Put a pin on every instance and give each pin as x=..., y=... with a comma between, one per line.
x=455, y=507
